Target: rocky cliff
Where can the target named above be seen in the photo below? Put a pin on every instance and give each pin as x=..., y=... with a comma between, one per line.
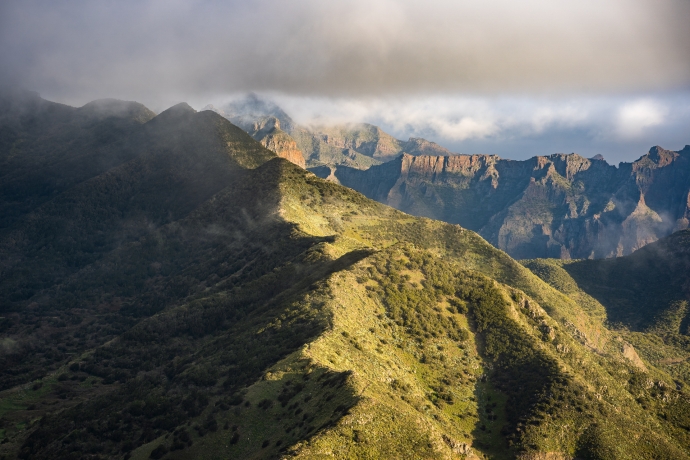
x=270, y=135
x=563, y=206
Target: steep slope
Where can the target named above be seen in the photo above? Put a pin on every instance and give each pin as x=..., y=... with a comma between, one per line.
x=562, y=206
x=178, y=160
x=46, y=148
x=644, y=296
x=252, y=310
x=647, y=290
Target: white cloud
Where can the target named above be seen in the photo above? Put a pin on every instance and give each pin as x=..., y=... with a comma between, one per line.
x=568, y=115
x=634, y=118
x=465, y=128
x=619, y=127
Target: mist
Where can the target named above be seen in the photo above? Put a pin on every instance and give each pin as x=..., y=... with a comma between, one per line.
x=499, y=62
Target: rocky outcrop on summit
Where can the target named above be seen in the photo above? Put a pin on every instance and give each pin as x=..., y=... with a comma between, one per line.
x=562, y=206
x=418, y=146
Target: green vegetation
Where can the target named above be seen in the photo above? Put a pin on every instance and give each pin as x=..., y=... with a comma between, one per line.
x=642, y=297
x=205, y=299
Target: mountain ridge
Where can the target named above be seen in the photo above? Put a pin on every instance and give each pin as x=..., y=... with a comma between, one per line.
x=208, y=299
x=562, y=206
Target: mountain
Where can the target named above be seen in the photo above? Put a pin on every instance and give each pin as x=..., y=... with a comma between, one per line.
x=262, y=120
x=357, y=145
x=642, y=291
x=562, y=206
x=204, y=298
x=269, y=134
x=644, y=295
x=45, y=147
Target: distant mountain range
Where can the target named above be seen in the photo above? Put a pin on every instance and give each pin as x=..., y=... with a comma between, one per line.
x=562, y=206
x=171, y=289
x=356, y=145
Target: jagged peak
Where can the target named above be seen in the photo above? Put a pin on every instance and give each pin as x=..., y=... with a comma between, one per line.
x=267, y=124
x=566, y=156
x=655, y=151
x=658, y=156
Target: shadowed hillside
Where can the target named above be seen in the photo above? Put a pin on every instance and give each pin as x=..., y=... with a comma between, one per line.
x=205, y=299
x=645, y=296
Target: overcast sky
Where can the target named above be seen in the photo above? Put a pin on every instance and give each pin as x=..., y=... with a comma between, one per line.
x=506, y=77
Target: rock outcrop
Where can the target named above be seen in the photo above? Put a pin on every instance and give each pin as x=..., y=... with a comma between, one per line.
x=562, y=206
x=270, y=135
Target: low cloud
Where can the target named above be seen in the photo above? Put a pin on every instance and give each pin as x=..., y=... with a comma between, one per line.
x=636, y=117
x=622, y=128
x=505, y=77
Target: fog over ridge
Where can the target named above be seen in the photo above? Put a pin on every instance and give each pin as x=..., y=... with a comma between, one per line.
x=487, y=67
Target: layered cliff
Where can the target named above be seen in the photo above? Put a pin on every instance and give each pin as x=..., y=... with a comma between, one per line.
x=562, y=206
x=270, y=135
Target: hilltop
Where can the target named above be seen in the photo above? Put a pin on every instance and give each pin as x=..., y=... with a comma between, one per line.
x=205, y=298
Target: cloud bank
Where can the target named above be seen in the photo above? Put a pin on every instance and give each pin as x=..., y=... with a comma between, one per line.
x=620, y=127
x=498, y=76
x=360, y=48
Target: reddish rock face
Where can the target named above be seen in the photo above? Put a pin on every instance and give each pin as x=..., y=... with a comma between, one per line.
x=563, y=206
x=284, y=146
x=268, y=132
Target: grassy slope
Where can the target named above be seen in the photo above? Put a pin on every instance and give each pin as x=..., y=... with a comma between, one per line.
x=401, y=377
x=644, y=296
x=297, y=316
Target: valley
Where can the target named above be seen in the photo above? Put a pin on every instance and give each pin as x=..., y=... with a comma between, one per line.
x=186, y=293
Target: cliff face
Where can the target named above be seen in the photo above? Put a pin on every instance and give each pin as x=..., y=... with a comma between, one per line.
x=270, y=135
x=284, y=146
x=563, y=206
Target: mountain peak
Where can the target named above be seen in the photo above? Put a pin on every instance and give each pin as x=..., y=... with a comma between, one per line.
x=246, y=111
x=182, y=107
x=659, y=156
x=178, y=111
x=105, y=108
x=420, y=146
